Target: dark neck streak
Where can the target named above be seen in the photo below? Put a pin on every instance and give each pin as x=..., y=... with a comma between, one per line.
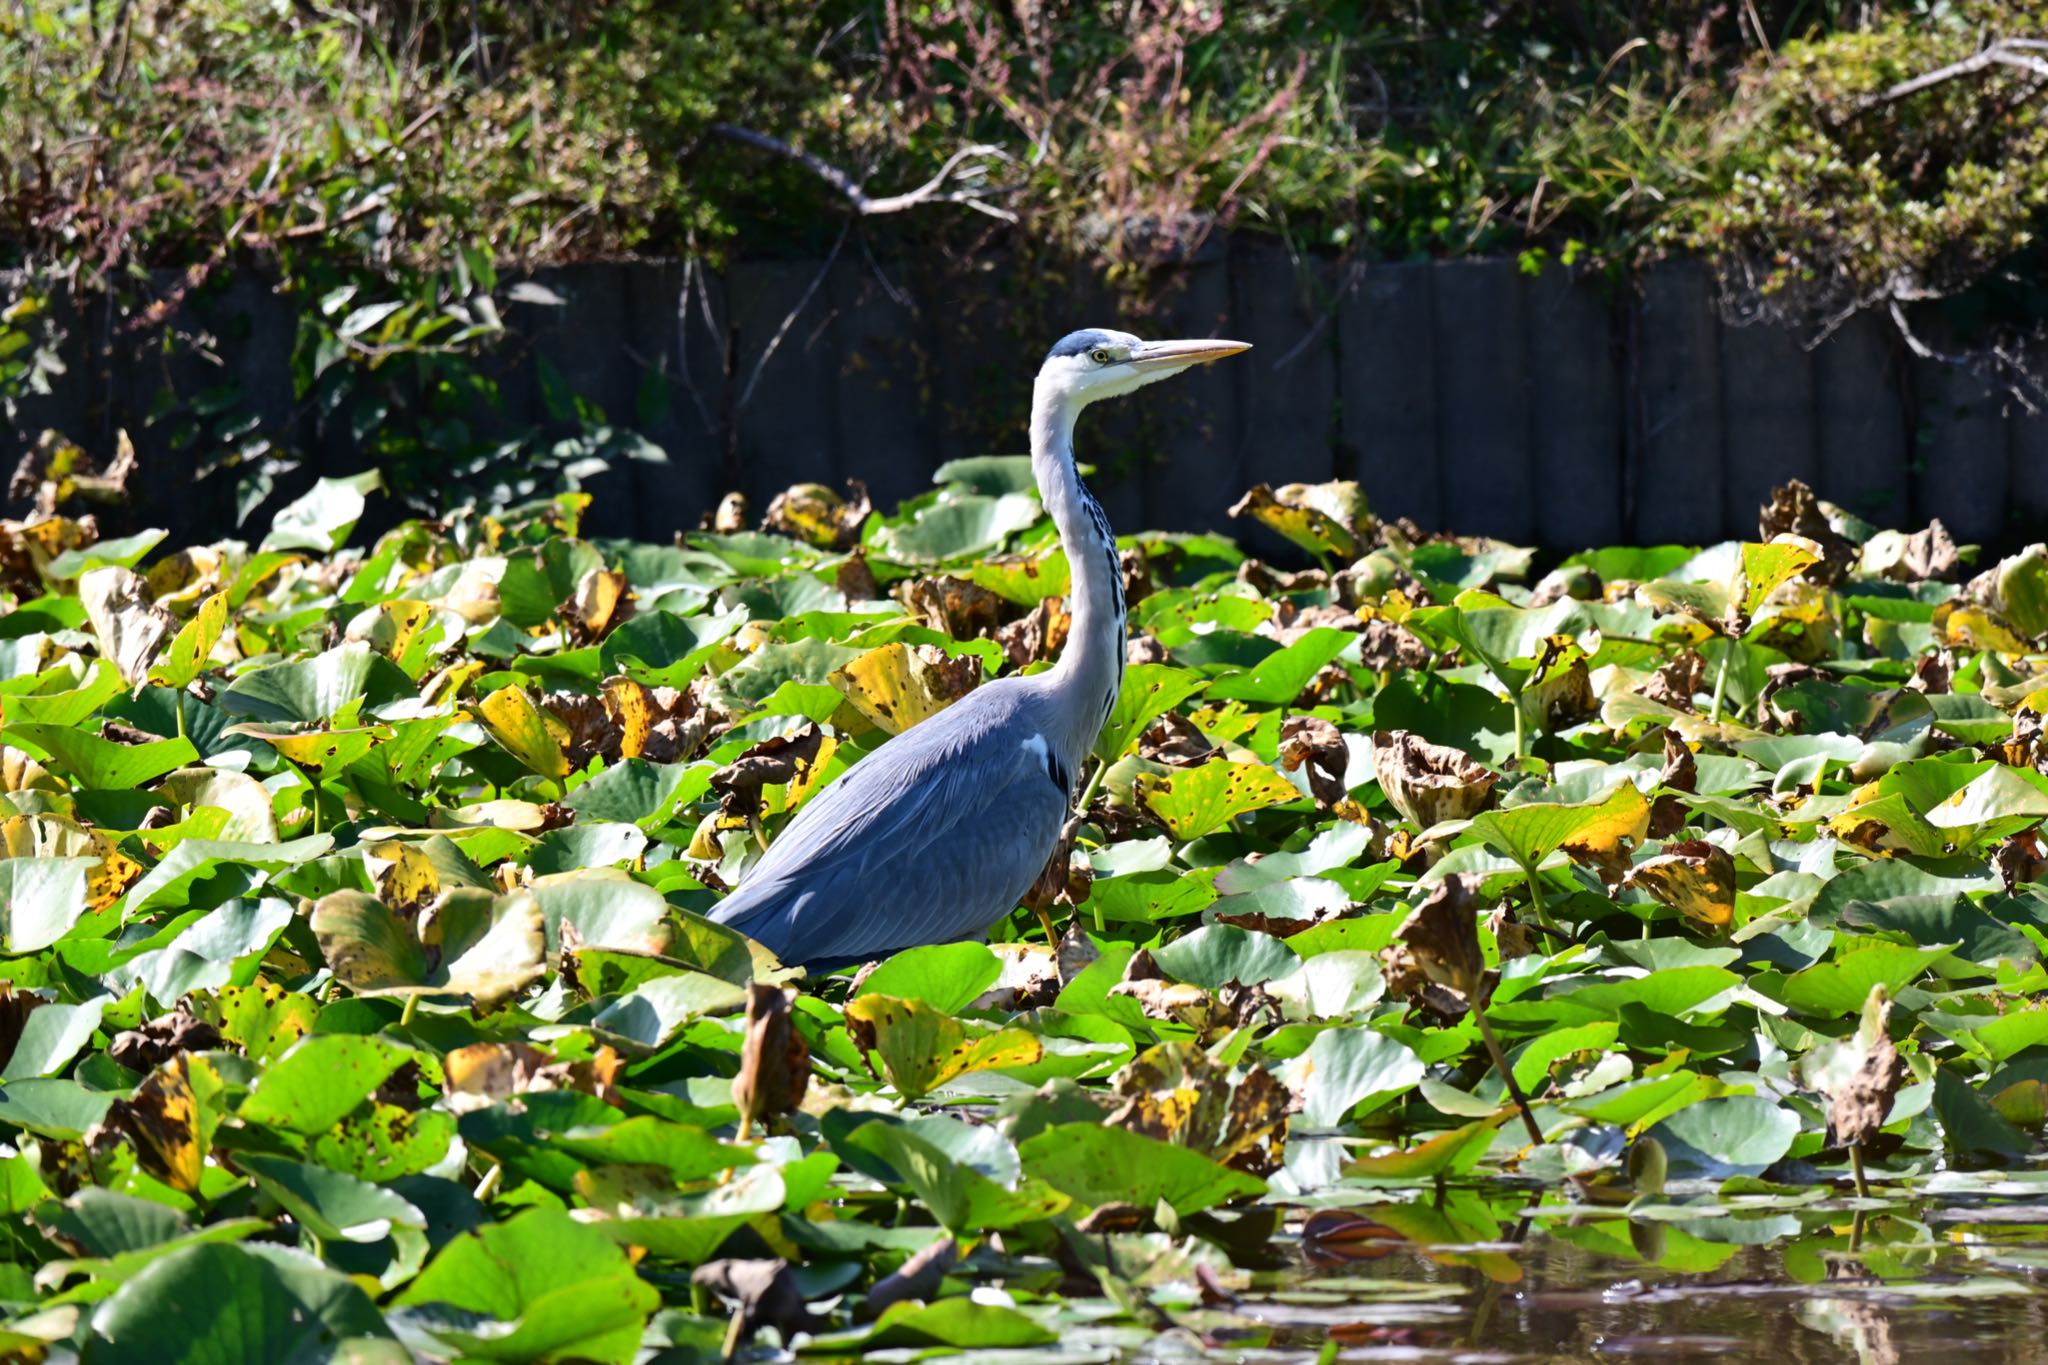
x=1091, y=666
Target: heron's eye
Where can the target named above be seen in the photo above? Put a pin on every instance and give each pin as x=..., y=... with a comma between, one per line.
x=1100, y=355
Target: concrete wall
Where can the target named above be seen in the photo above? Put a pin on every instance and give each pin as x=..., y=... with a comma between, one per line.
x=1467, y=395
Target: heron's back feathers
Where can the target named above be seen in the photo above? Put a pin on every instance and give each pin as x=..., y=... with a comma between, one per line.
x=930, y=839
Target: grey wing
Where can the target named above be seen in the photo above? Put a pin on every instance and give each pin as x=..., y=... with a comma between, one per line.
x=930, y=839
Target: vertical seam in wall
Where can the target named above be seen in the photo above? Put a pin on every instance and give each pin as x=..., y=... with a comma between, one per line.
x=1440, y=501
x=1635, y=417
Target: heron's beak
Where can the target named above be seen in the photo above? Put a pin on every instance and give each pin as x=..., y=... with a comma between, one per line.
x=1163, y=355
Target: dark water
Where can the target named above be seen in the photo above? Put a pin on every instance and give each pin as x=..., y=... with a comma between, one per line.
x=1765, y=1278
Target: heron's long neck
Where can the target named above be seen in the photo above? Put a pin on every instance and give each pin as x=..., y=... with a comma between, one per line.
x=1091, y=667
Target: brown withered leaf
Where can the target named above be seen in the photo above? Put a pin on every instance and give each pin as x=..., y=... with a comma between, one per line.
x=1678, y=680
x=56, y=470
x=1136, y=568
x=482, y=1074
x=1795, y=510
x=1934, y=675
x=1668, y=814
x=1074, y=954
x=1062, y=882
x=2021, y=859
x=1561, y=689
x=956, y=606
x=1290, y=621
x=659, y=724
x=1442, y=934
x=1175, y=1092
x=1275, y=925
x=161, y=1122
x=1928, y=554
x=1385, y=647
x=1513, y=938
x=1861, y=1100
x=855, y=579
x=592, y=731
x=760, y=1293
x=1406, y=980
x=1144, y=649
x=1429, y=783
x=775, y=1061
x=1315, y=743
x=779, y=759
x=1233, y=1005
x=1036, y=636
x=15, y=1008
x=162, y=1038
x=1177, y=742
x=1030, y=978
x=1693, y=877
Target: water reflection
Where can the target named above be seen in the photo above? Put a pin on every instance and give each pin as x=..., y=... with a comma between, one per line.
x=1753, y=1274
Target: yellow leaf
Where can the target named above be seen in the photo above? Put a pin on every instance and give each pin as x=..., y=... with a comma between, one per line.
x=161, y=1121
x=896, y=687
x=632, y=705
x=1693, y=877
x=319, y=750
x=392, y=628
x=1976, y=628
x=1191, y=802
x=509, y=716
x=404, y=876
x=921, y=1048
x=185, y=658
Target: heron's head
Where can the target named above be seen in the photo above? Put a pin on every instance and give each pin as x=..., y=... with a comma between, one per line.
x=1098, y=363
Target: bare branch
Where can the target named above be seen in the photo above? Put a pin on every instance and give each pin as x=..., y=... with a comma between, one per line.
x=2003, y=52
x=933, y=191
x=768, y=351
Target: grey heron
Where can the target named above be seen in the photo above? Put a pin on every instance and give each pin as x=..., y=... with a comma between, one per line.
x=937, y=834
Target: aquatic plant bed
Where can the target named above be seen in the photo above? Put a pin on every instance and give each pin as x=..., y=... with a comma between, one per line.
x=1641, y=956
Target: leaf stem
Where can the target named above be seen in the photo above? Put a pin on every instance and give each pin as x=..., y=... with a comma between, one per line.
x=1721, y=679
x=412, y=1003
x=1500, y=1062
x=1856, y=1169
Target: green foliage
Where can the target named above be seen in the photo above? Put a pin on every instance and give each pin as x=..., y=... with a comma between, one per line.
x=360, y=986
x=1849, y=170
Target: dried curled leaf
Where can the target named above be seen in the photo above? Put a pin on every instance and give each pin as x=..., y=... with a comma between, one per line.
x=1429, y=783
x=1038, y=635
x=782, y=760
x=1313, y=743
x=1862, y=1076
x=961, y=609
x=129, y=625
x=1795, y=510
x=1442, y=936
